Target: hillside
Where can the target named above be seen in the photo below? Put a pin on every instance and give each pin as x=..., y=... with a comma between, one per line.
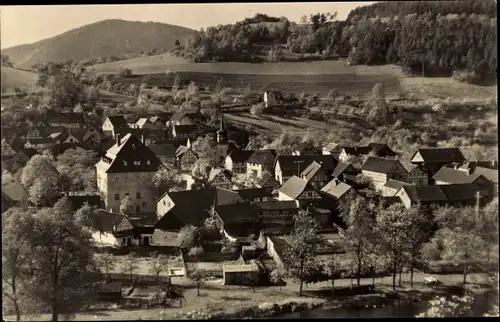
x=15, y=78
x=104, y=38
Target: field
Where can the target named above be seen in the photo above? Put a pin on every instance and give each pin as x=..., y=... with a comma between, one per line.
x=16, y=78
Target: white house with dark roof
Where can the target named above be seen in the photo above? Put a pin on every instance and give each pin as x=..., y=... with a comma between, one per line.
x=433, y=159
x=380, y=170
x=127, y=169
x=415, y=174
x=261, y=161
x=113, y=123
x=391, y=187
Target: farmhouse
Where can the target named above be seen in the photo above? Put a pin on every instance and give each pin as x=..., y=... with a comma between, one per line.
x=185, y=158
x=333, y=149
x=220, y=178
x=127, y=169
x=315, y=175
x=447, y=175
x=491, y=175
x=306, y=148
x=337, y=190
x=415, y=174
x=188, y=116
x=236, y=161
x=261, y=161
x=113, y=123
x=380, y=170
x=377, y=149
x=297, y=188
x=287, y=166
x=391, y=187
x=67, y=120
x=243, y=274
x=345, y=172
x=277, y=213
x=185, y=131
x=256, y=194
x=236, y=220
x=40, y=143
x=433, y=159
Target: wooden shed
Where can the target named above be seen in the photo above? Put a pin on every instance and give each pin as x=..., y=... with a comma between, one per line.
x=246, y=274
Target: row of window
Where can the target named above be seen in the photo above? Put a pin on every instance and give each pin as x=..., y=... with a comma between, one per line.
x=148, y=162
x=137, y=196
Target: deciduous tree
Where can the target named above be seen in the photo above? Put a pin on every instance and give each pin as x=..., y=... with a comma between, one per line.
x=129, y=264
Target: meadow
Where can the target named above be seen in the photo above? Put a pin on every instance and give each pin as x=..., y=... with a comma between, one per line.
x=16, y=78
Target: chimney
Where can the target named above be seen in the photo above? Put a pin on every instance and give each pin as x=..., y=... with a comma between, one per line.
x=118, y=139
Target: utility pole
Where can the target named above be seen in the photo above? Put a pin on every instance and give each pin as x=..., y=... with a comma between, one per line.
x=298, y=167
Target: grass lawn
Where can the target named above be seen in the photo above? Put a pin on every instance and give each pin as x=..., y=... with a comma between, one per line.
x=214, y=297
x=143, y=266
x=12, y=78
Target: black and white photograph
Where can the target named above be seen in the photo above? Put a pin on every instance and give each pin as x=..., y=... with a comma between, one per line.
x=263, y=160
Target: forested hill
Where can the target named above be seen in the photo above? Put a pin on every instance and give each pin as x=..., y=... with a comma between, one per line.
x=443, y=8
x=100, y=39
x=446, y=37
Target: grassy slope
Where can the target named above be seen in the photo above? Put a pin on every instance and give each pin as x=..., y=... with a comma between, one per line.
x=108, y=37
x=12, y=78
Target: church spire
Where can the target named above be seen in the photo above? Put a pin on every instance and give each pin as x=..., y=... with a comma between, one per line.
x=221, y=133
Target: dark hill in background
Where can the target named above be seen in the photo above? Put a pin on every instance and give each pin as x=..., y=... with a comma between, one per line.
x=104, y=38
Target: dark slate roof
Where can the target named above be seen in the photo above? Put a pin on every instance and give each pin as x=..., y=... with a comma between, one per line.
x=336, y=189
x=106, y=221
x=175, y=142
x=409, y=167
x=396, y=184
x=489, y=174
x=130, y=149
x=460, y=192
x=187, y=111
x=264, y=157
x=379, y=165
x=240, y=156
x=118, y=121
x=41, y=140
x=356, y=150
x=289, y=167
x=165, y=149
x=340, y=168
x=441, y=155
x=164, y=116
x=381, y=149
x=491, y=164
x=293, y=187
x=77, y=201
x=277, y=205
x=249, y=194
x=237, y=212
x=454, y=176
x=68, y=118
x=305, y=144
x=186, y=129
x=310, y=171
x=427, y=193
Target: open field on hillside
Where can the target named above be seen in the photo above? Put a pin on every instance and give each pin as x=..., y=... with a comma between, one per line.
x=443, y=87
x=15, y=78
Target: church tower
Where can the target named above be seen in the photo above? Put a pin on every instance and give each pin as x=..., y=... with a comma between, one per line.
x=222, y=133
x=222, y=142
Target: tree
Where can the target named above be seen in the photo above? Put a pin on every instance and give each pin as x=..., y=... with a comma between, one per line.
x=195, y=251
x=88, y=217
x=391, y=227
x=177, y=43
x=186, y=237
x=157, y=265
x=277, y=276
x=125, y=72
x=332, y=269
x=15, y=254
x=127, y=206
x=93, y=96
x=62, y=91
x=300, y=248
x=42, y=180
x=107, y=262
x=129, y=264
x=440, y=307
x=168, y=178
x=359, y=218
x=60, y=276
x=257, y=109
x=197, y=278
x=378, y=112
x=6, y=61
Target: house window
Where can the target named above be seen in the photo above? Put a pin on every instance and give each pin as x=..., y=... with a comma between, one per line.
x=148, y=162
x=164, y=203
x=124, y=162
x=137, y=208
x=143, y=205
x=117, y=180
x=138, y=195
x=126, y=195
x=124, y=241
x=117, y=196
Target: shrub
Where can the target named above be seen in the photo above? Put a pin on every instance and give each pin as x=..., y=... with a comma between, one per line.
x=196, y=251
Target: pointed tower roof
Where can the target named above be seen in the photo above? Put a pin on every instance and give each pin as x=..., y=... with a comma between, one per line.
x=221, y=128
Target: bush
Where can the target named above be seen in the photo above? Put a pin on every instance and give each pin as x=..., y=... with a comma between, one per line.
x=124, y=72
x=196, y=251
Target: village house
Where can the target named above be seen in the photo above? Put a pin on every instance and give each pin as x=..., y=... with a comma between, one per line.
x=287, y=166
x=268, y=181
x=333, y=149
x=275, y=213
x=185, y=131
x=261, y=161
x=159, y=122
x=391, y=187
x=380, y=170
x=346, y=172
x=220, y=178
x=433, y=159
x=236, y=220
x=447, y=176
x=299, y=189
x=414, y=174
x=315, y=175
x=187, y=116
x=185, y=158
x=376, y=149
x=256, y=194
x=337, y=190
x=273, y=98
x=306, y=148
x=127, y=169
x=44, y=131
x=40, y=143
x=113, y=123
x=67, y=120
x=190, y=207
x=14, y=195
x=236, y=161
x=488, y=169
x=144, y=123
x=165, y=152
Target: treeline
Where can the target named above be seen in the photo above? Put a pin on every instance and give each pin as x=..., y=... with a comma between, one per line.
x=403, y=8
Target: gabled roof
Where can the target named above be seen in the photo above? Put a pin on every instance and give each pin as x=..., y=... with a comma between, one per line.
x=266, y=178
x=216, y=171
x=336, y=189
x=264, y=157
x=64, y=118
x=15, y=191
x=175, y=142
x=118, y=121
x=310, y=171
x=340, y=168
x=106, y=221
x=182, y=150
x=251, y=193
x=379, y=165
x=240, y=156
x=293, y=187
x=460, y=192
x=426, y=193
x=186, y=129
x=237, y=212
x=331, y=146
x=163, y=116
x=122, y=158
x=37, y=141
x=186, y=112
x=489, y=174
x=305, y=144
x=450, y=155
x=77, y=201
x=142, y=121
x=356, y=150
x=491, y=164
x=396, y=184
x=289, y=166
x=381, y=148
x=166, y=149
x=409, y=167
x=454, y=176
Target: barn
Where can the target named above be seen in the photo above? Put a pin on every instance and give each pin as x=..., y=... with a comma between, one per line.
x=242, y=274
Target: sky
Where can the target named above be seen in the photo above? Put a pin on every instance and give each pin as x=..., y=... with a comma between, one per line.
x=27, y=24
